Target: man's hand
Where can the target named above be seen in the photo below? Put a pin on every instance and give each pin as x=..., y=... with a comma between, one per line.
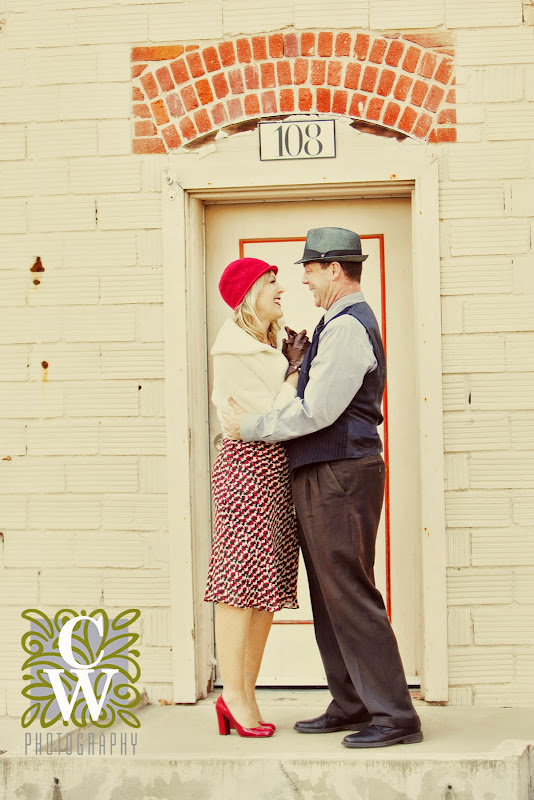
x=232, y=420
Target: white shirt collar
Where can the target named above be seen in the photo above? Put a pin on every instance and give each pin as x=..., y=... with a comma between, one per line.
x=343, y=302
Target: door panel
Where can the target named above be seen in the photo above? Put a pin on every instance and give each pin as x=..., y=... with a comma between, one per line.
x=276, y=232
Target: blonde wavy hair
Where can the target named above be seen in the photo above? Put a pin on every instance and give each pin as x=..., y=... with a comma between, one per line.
x=246, y=317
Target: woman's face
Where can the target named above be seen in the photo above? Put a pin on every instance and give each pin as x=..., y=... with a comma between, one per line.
x=268, y=305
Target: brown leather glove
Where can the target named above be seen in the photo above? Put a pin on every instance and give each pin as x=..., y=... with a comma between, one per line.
x=290, y=338
x=295, y=347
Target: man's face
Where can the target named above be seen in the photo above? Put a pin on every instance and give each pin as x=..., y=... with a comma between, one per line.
x=319, y=280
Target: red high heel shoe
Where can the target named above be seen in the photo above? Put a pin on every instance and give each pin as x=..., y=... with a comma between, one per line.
x=227, y=722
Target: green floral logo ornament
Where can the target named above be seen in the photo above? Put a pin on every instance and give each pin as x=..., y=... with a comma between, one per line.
x=81, y=668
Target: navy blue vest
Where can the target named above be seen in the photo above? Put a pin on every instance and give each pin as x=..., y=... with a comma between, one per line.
x=354, y=434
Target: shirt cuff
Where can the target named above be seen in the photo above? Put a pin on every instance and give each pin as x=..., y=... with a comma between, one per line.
x=248, y=427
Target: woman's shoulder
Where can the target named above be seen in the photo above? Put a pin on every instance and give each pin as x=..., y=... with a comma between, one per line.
x=233, y=340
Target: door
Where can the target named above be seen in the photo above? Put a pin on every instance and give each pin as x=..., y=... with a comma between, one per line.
x=276, y=232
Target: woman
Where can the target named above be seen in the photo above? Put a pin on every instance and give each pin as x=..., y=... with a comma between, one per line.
x=254, y=559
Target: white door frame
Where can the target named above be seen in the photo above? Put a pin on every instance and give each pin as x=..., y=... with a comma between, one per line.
x=231, y=172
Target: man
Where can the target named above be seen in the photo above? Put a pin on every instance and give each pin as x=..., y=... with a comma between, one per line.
x=338, y=476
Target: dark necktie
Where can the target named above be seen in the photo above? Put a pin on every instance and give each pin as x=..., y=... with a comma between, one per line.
x=318, y=330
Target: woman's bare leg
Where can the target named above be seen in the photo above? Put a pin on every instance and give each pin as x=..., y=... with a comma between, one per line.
x=258, y=631
x=231, y=635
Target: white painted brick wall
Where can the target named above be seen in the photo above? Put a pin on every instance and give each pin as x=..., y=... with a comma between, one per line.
x=486, y=161
x=520, y=352
x=503, y=125
x=152, y=399
x=469, y=14
x=100, y=175
x=481, y=665
x=502, y=470
x=473, y=353
x=99, y=250
x=337, y=14
x=387, y=14
x=114, y=137
x=495, y=392
x=135, y=512
x=112, y=324
x=136, y=588
x=133, y=361
x=134, y=287
x=19, y=473
x=455, y=392
x=62, y=139
x=457, y=471
x=42, y=550
x=149, y=323
x=12, y=142
x=460, y=626
x=24, y=104
x=102, y=475
x=459, y=544
x=63, y=437
x=167, y=19
x=14, y=364
x=523, y=431
x=475, y=509
x=111, y=25
x=495, y=46
x=503, y=314
x=65, y=362
x=485, y=200
x=65, y=213
x=490, y=548
x=77, y=587
x=112, y=549
x=489, y=236
x=88, y=101
x=24, y=401
x=502, y=626
x=489, y=432
x=102, y=399
x=494, y=84
x=473, y=587
x=122, y=437
x=12, y=439
x=523, y=507
x=121, y=212
x=12, y=216
x=63, y=66
x=153, y=474
x=22, y=178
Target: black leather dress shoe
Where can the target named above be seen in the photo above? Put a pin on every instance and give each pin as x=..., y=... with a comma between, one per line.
x=327, y=723
x=383, y=736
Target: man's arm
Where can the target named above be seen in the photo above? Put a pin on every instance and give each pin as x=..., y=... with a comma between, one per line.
x=344, y=356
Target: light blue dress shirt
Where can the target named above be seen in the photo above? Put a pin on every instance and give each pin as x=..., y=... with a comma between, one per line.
x=344, y=357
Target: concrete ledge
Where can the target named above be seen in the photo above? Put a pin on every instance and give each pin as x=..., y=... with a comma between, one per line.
x=500, y=776
x=467, y=754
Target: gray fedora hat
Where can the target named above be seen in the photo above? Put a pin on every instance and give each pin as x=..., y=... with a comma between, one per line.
x=332, y=244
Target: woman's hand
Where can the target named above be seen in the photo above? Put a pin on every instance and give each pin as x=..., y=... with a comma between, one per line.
x=296, y=350
x=291, y=334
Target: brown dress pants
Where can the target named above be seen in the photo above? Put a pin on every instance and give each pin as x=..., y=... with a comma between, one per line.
x=338, y=507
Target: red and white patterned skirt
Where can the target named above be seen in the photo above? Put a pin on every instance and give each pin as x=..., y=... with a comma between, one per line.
x=254, y=556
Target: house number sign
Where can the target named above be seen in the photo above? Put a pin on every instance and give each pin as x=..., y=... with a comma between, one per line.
x=284, y=141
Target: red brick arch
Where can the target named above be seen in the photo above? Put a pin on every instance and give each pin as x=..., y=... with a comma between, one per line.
x=184, y=94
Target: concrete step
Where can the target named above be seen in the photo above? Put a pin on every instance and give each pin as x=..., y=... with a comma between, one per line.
x=467, y=754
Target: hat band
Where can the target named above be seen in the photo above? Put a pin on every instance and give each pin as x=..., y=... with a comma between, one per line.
x=312, y=255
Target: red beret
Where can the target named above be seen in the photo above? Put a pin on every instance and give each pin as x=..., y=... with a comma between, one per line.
x=239, y=276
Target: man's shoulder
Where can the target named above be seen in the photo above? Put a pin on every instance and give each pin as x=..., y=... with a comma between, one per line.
x=344, y=322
